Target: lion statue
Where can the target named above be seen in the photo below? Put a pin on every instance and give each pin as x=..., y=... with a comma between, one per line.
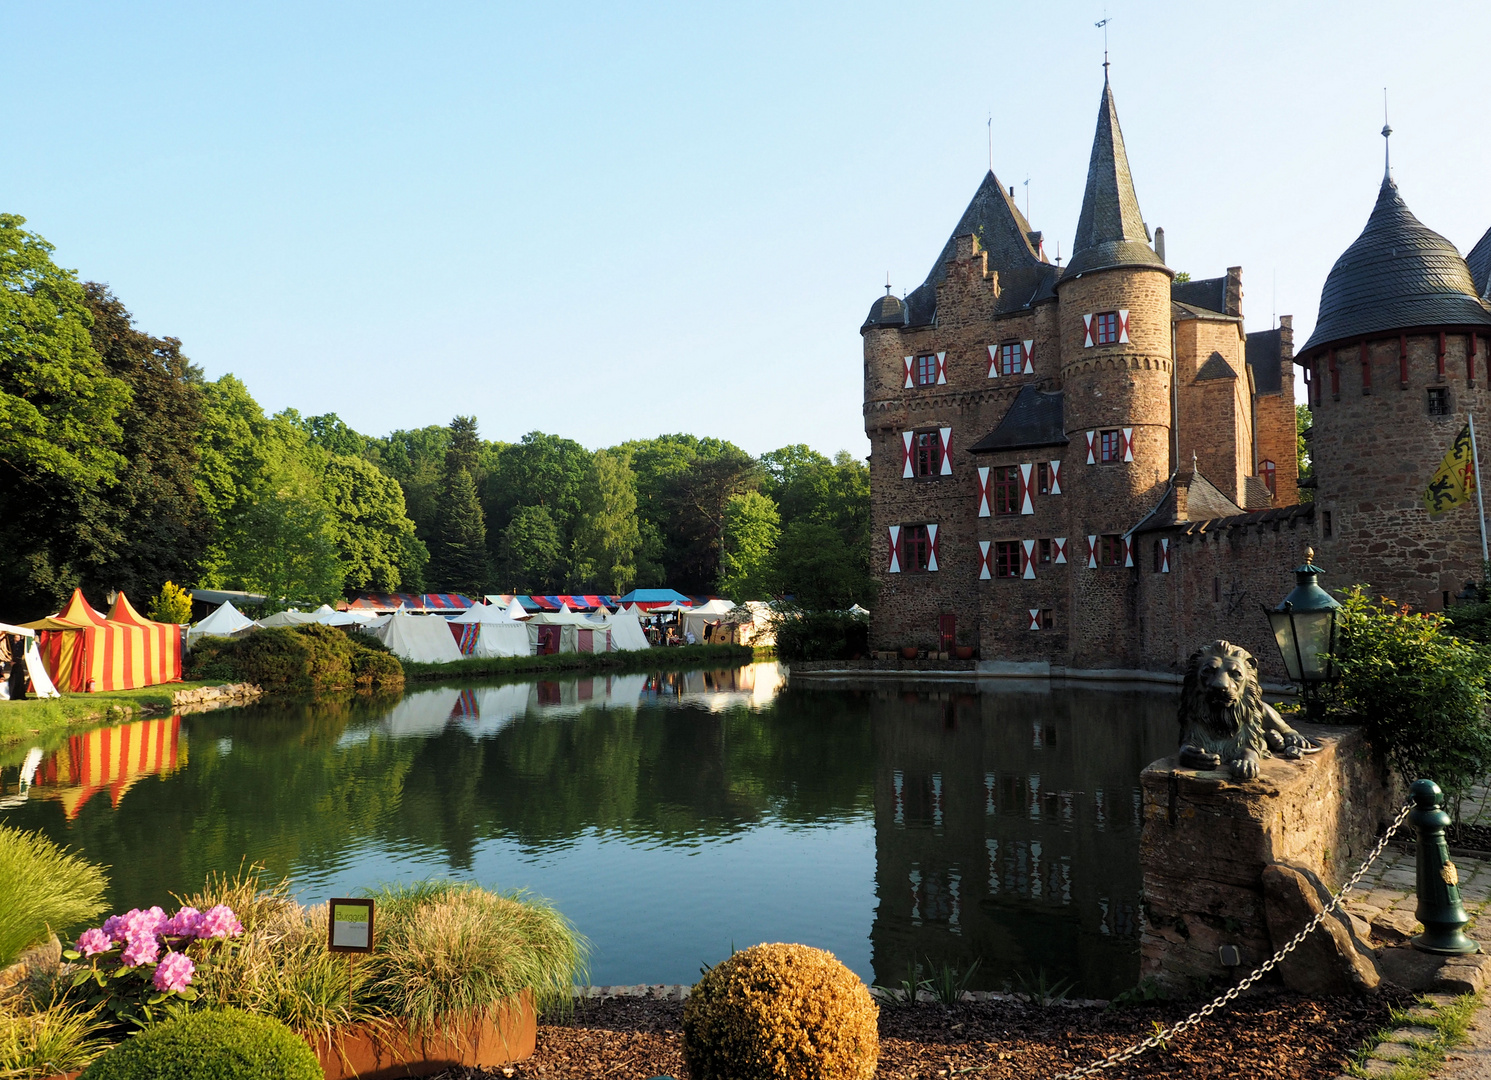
x=1224, y=719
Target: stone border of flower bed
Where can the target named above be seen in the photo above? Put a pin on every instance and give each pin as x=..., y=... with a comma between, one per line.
x=1416, y=1046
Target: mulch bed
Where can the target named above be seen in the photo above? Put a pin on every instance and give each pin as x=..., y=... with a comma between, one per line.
x=1272, y=1036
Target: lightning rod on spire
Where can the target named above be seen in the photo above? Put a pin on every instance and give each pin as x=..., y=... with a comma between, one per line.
x=1387, y=159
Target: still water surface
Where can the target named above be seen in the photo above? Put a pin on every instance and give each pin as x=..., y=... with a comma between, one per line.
x=670, y=817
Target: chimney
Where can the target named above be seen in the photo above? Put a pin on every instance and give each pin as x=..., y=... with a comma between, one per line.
x=1159, y=242
x=1234, y=292
x=1286, y=337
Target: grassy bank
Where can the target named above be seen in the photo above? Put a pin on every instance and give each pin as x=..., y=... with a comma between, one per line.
x=33, y=718
x=674, y=659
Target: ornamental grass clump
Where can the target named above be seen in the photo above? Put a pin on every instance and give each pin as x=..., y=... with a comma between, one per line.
x=780, y=1012
x=43, y=891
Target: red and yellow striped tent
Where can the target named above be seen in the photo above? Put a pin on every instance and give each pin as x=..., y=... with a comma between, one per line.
x=162, y=657
x=83, y=651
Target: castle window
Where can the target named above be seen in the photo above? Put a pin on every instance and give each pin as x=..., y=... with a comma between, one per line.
x=1325, y=523
x=1268, y=473
x=926, y=453
x=1047, y=618
x=916, y=548
x=1044, y=547
x=1112, y=549
x=1159, y=556
x=1007, y=558
x=1043, y=478
x=1105, y=328
x=1010, y=358
x=1007, y=489
x=1439, y=401
x=926, y=369
x=1110, y=446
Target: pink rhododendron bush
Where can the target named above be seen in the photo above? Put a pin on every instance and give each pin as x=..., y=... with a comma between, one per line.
x=138, y=967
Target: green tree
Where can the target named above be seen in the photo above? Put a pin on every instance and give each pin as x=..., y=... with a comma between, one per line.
x=538, y=470
x=282, y=543
x=752, y=526
x=464, y=448
x=331, y=433
x=608, y=539
x=59, y=408
x=819, y=570
x=1302, y=422
x=531, y=551
x=374, y=537
x=459, y=562
x=416, y=459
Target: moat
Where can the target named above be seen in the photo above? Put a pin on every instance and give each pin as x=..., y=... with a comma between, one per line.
x=670, y=817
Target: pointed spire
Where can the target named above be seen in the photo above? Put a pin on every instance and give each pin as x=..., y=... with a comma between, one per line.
x=1110, y=230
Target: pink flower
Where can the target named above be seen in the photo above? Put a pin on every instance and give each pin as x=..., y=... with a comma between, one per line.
x=94, y=941
x=220, y=922
x=114, y=927
x=134, y=921
x=140, y=949
x=174, y=972
x=184, y=923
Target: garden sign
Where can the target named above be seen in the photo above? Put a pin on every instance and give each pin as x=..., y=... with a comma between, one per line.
x=351, y=925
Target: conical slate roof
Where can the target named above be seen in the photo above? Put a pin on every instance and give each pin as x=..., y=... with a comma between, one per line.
x=1479, y=261
x=1002, y=231
x=1110, y=230
x=1398, y=275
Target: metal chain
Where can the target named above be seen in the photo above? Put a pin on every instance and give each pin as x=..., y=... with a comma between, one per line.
x=1159, y=1038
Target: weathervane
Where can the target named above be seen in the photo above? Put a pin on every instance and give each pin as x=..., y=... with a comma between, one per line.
x=1387, y=159
x=1103, y=26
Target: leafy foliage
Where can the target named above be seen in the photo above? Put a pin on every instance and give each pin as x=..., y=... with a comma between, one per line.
x=43, y=890
x=300, y=659
x=374, y=537
x=820, y=635
x=1303, y=419
x=1420, y=691
x=608, y=538
x=531, y=553
x=172, y=604
x=55, y=1038
x=220, y=1044
x=752, y=526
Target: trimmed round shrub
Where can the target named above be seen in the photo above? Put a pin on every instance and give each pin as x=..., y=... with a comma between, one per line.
x=223, y=1044
x=780, y=1012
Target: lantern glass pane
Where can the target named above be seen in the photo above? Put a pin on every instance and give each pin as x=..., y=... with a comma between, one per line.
x=1284, y=635
x=1314, y=630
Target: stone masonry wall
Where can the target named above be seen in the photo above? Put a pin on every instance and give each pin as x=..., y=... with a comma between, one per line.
x=1375, y=446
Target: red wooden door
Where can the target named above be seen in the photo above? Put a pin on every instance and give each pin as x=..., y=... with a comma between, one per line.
x=947, y=626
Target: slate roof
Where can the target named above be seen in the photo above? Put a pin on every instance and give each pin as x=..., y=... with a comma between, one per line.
x=1397, y=275
x=1034, y=418
x=1110, y=229
x=1003, y=232
x=1256, y=493
x=1203, y=502
x=887, y=311
x=1208, y=293
x=1265, y=352
x=1479, y=261
x=1215, y=367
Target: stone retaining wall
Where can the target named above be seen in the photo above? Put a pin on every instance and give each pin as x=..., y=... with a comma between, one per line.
x=1206, y=839
x=215, y=697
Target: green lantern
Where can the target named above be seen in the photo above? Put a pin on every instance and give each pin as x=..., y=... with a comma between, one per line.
x=1304, y=626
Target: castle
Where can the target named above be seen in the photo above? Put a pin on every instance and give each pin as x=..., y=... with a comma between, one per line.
x=1094, y=467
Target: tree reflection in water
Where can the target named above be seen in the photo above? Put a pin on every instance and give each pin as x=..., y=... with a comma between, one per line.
x=672, y=815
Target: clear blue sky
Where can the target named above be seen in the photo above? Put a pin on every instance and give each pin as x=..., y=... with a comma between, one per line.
x=615, y=221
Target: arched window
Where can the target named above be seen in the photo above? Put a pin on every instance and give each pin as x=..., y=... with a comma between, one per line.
x=1267, y=471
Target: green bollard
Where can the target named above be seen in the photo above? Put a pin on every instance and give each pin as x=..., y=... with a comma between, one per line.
x=1439, y=907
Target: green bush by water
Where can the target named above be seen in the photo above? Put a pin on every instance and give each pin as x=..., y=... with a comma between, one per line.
x=300, y=659
x=221, y=1044
x=1420, y=692
x=43, y=890
x=821, y=635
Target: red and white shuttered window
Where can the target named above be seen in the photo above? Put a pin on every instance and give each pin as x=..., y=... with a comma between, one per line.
x=1162, y=555
x=1040, y=619
x=1106, y=328
x=1007, y=558
x=983, y=491
x=926, y=453
x=1110, y=446
x=1011, y=358
x=926, y=369
x=1110, y=549
x=1027, y=559
x=1006, y=489
x=984, y=570
x=1027, y=485
x=913, y=549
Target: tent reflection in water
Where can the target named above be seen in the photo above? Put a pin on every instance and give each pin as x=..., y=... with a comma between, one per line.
x=424, y=639
x=82, y=650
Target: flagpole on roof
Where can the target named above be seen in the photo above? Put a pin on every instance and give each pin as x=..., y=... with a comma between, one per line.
x=1480, y=502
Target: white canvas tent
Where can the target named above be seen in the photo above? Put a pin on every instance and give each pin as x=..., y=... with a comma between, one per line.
x=626, y=631
x=575, y=632
x=516, y=611
x=327, y=615
x=499, y=633
x=695, y=618
x=287, y=618
x=41, y=682
x=225, y=621
x=424, y=639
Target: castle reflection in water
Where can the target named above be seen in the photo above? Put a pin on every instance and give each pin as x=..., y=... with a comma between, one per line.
x=897, y=825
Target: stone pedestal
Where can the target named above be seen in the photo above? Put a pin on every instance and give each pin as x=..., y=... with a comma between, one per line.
x=1207, y=839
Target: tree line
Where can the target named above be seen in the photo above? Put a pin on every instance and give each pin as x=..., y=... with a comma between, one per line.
x=122, y=467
